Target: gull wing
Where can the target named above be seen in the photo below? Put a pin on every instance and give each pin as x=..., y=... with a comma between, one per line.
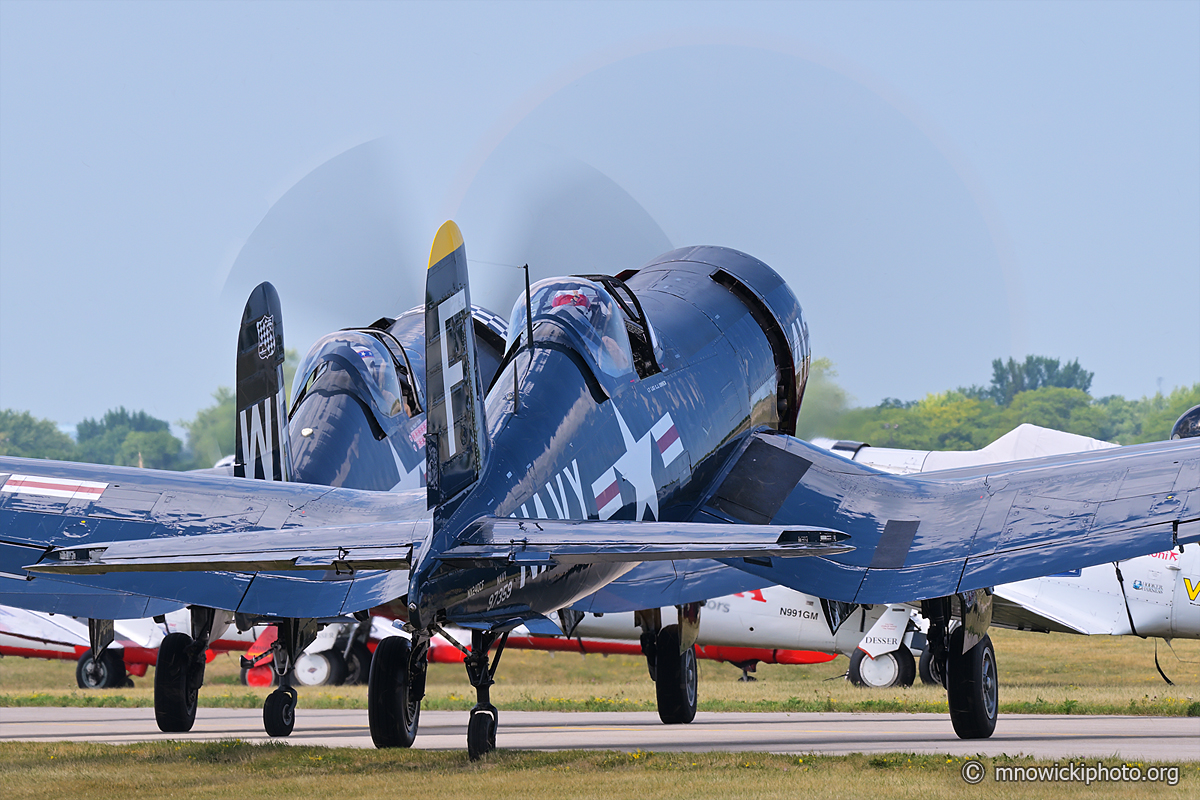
x=935, y=534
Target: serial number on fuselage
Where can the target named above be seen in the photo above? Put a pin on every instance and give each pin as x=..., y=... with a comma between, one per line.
x=797, y=612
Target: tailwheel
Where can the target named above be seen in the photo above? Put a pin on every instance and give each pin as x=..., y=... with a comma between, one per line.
x=676, y=686
x=279, y=711
x=481, y=731
x=177, y=681
x=394, y=692
x=972, y=687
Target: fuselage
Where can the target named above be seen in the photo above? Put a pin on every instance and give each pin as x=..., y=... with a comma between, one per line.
x=573, y=437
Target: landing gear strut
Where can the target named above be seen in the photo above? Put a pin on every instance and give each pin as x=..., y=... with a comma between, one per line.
x=481, y=730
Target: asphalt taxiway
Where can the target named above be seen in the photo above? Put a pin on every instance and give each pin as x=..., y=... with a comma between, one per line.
x=1044, y=737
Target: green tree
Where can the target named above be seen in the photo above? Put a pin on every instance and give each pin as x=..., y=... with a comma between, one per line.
x=151, y=449
x=1011, y=378
x=1157, y=414
x=107, y=440
x=824, y=401
x=1053, y=407
x=210, y=434
x=23, y=436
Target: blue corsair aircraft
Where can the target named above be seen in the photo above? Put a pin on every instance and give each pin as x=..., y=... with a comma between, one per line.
x=356, y=421
x=636, y=419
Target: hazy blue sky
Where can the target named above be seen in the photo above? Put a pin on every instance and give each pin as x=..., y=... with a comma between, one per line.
x=941, y=183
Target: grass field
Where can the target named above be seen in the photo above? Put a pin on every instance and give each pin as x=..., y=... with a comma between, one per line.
x=1040, y=673
x=232, y=769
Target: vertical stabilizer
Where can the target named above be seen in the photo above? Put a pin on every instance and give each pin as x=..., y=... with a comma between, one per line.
x=262, y=432
x=455, y=446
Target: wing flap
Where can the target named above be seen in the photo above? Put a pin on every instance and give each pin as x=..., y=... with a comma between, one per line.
x=531, y=542
x=382, y=545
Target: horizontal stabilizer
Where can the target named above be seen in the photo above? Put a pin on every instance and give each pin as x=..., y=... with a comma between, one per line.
x=377, y=545
x=1014, y=608
x=525, y=541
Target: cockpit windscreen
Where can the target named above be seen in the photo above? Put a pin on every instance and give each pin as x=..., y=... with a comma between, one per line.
x=585, y=309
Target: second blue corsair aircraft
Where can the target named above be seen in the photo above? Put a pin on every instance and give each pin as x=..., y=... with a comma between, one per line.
x=626, y=409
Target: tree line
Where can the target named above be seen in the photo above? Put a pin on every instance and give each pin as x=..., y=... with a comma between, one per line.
x=132, y=438
x=1038, y=390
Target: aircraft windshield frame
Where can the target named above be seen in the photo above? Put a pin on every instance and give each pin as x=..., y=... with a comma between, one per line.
x=369, y=356
x=587, y=311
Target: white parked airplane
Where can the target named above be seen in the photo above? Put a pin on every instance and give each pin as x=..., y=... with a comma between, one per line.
x=1150, y=596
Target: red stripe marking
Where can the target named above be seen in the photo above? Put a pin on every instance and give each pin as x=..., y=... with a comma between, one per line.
x=607, y=495
x=668, y=439
x=26, y=483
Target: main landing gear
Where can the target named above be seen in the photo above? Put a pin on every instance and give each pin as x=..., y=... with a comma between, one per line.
x=671, y=658
x=179, y=671
x=969, y=673
x=394, y=690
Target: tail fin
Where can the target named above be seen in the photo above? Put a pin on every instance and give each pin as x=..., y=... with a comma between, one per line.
x=455, y=444
x=263, y=450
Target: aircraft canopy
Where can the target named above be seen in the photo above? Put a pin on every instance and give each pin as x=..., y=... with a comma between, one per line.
x=584, y=308
x=365, y=355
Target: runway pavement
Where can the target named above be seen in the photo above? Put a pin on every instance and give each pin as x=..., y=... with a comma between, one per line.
x=1045, y=737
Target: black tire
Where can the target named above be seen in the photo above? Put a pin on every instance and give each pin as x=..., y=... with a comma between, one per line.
x=337, y=667
x=481, y=732
x=109, y=672
x=650, y=651
x=176, y=691
x=358, y=664
x=930, y=670
x=279, y=712
x=972, y=687
x=393, y=708
x=897, y=668
x=678, y=679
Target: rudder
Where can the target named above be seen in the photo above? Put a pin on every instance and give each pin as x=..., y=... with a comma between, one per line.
x=455, y=444
x=262, y=446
